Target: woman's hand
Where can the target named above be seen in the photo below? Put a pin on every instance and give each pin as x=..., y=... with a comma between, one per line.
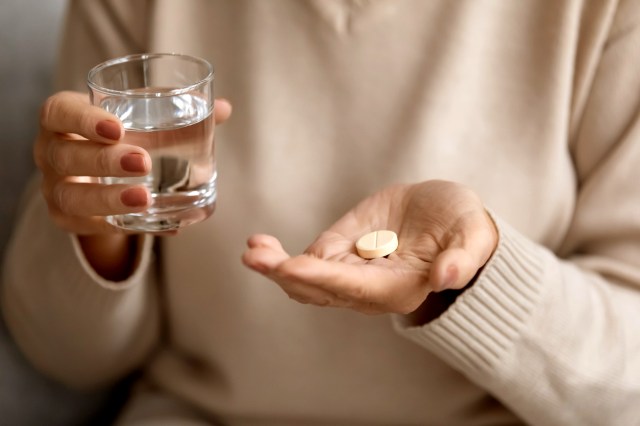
x=76, y=144
x=445, y=236
x=78, y=141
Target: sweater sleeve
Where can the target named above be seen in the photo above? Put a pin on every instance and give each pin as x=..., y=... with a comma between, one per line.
x=555, y=336
x=71, y=324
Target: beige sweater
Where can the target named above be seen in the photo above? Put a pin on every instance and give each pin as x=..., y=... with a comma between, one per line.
x=533, y=103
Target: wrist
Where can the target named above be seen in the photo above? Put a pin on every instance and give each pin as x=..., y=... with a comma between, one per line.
x=112, y=256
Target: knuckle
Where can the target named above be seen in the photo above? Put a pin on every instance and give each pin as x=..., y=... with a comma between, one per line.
x=60, y=198
x=102, y=161
x=46, y=110
x=58, y=111
x=108, y=199
x=85, y=119
x=59, y=158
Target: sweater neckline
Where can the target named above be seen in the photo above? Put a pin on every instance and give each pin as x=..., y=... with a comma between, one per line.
x=349, y=16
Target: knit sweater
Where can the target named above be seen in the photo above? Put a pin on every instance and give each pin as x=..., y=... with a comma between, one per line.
x=533, y=104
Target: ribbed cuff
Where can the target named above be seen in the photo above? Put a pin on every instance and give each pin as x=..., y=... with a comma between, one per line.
x=480, y=327
x=44, y=263
x=142, y=262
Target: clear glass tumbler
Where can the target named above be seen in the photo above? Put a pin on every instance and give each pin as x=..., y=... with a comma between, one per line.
x=165, y=102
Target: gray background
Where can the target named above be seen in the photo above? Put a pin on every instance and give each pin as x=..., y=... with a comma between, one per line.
x=29, y=33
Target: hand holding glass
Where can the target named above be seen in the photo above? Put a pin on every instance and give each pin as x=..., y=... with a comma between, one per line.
x=165, y=103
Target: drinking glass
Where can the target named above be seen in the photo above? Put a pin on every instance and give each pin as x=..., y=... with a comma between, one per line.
x=165, y=102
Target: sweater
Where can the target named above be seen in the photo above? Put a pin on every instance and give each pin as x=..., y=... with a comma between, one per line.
x=533, y=104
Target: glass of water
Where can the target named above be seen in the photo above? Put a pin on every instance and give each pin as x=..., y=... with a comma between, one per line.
x=165, y=102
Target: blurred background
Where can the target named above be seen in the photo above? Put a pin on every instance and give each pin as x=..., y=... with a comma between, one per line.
x=29, y=33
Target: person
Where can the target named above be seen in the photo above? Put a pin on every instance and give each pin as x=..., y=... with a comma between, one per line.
x=498, y=139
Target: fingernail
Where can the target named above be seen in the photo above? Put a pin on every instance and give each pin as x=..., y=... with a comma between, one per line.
x=134, y=197
x=133, y=162
x=108, y=129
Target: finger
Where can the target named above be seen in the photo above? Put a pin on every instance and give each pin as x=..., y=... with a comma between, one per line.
x=452, y=269
x=84, y=158
x=303, y=292
x=265, y=255
x=363, y=284
x=333, y=246
x=71, y=112
x=264, y=240
x=465, y=254
x=343, y=279
x=264, y=259
x=223, y=109
x=311, y=295
x=89, y=199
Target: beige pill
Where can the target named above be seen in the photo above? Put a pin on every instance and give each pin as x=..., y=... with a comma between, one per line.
x=377, y=244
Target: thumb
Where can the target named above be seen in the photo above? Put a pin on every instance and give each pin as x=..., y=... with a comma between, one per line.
x=453, y=269
x=461, y=259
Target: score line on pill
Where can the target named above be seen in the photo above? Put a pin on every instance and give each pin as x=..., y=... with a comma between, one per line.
x=377, y=244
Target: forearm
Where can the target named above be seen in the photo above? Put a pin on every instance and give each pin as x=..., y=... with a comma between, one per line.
x=555, y=343
x=71, y=323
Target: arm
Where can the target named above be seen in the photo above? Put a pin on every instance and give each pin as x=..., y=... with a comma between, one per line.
x=555, y=337
x=72, y=323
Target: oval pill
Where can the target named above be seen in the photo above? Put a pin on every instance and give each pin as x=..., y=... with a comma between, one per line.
x=377, y=244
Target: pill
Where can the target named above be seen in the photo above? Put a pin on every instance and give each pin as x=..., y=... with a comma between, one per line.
x=377, y=244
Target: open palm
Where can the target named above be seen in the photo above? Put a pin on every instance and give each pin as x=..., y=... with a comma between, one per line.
x=445, y=236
